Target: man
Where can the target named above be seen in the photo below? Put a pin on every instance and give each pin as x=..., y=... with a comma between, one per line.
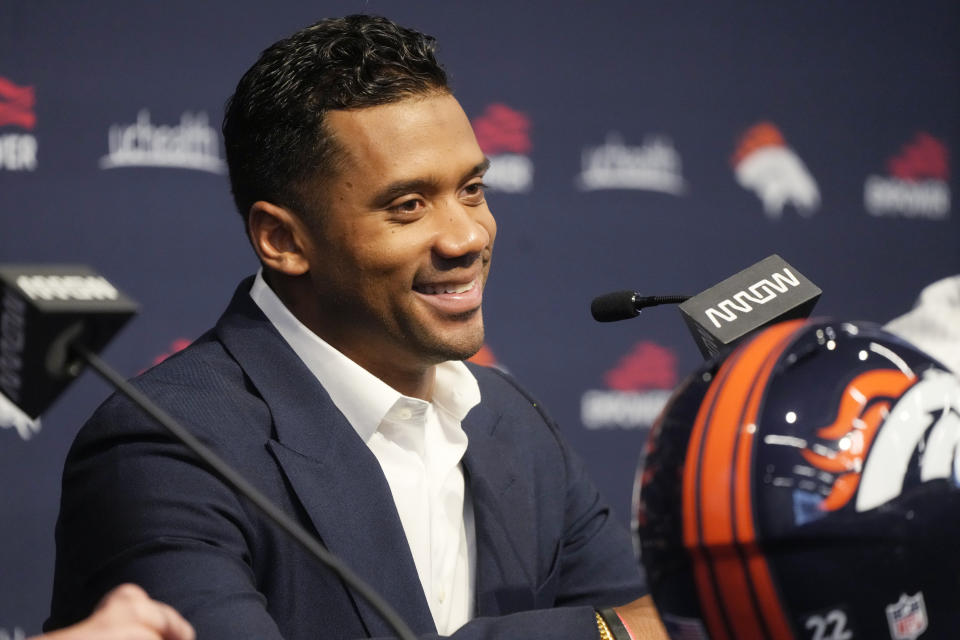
x=334, y=382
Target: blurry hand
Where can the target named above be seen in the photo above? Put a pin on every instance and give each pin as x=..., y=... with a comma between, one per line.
x=128, y=613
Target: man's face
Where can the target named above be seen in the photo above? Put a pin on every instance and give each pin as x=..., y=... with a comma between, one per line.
x=401, y=250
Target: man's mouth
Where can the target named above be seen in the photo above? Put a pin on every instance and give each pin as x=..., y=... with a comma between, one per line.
x=436, y=289
x=452, y=298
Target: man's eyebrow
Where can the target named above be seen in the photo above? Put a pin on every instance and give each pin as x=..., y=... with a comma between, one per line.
x=479, y=169
x=397, y=189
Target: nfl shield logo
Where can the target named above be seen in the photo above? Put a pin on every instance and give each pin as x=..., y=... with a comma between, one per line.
x=907, y=617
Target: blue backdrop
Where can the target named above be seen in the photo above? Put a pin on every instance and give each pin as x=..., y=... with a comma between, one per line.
x=635, y=145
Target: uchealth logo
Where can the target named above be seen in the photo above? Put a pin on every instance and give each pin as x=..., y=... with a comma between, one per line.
x=638, y=387
x=764, y=164
x=18, y=149
x=191, y=144
x=503, y=134
x=652, y=166
x=917, y=184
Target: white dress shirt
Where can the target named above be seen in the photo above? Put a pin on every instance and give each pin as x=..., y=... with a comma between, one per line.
x=419, y=446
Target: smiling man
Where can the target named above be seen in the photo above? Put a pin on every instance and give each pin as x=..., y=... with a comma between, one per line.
x=335, y=381
x=391, y=270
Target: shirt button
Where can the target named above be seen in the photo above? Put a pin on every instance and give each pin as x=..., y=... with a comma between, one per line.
x=404, y=414
x=442, y=595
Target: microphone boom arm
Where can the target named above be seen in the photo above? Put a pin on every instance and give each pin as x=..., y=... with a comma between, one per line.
x=240, y=485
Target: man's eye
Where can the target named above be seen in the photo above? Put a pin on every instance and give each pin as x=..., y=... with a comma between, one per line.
x=475, y=191
x=408, y=206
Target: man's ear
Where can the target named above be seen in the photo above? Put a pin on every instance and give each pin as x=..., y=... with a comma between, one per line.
x=279, y=237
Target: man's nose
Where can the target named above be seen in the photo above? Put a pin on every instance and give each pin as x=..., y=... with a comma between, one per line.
x=463, y=231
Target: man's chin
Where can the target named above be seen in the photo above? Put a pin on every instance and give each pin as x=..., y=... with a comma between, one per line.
x=462, y=347
x=458, y=352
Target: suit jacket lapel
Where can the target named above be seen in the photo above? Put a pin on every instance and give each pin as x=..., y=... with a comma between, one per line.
x=335, y=476
x=504, y=574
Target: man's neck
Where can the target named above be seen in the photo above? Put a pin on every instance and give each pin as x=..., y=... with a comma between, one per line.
x=415, y=381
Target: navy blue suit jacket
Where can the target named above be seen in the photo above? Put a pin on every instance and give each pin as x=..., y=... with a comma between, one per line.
x=137, y=507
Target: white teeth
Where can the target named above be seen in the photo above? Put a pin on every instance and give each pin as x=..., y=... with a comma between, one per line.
x=434, y=289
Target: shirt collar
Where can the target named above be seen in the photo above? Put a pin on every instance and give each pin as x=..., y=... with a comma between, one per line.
x=363, y=398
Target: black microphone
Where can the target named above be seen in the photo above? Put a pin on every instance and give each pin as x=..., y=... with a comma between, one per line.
x=622, y=305
x=43, y=309
x=763, y=294
x=53, y=319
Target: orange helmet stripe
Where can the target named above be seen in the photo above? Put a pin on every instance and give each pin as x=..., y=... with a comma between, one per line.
x=764, y=589
x=735, y=586
x=704, y=572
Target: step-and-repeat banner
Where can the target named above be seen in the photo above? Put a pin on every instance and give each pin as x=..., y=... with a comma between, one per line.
x=635, y=145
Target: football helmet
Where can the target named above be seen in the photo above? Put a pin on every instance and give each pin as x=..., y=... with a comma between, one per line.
x=807, y=487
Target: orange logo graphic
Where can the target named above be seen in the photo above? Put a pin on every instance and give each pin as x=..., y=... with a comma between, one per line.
x=764, y=164
x=484, y=357
x=865, y=404
x=757, y=137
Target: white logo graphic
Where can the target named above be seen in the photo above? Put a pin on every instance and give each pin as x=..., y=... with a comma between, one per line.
x=653, y=166
x=892, y=197
x=931, y=406
x=67, y=288
x=637, y=389
x=832, y=626
x=601, y=408
x=510, y=172
x=907, y=617
x=504, y=135
x=12, y=417
x=18, y=152
x=918, y=185
x=192, y=144
x=764, y=164
x=760, y=292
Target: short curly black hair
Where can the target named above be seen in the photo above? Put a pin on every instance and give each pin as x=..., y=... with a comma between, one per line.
x=274, y=127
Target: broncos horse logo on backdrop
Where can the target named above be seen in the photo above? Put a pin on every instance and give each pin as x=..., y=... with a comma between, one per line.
x=889, y=425
x=766, y=165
